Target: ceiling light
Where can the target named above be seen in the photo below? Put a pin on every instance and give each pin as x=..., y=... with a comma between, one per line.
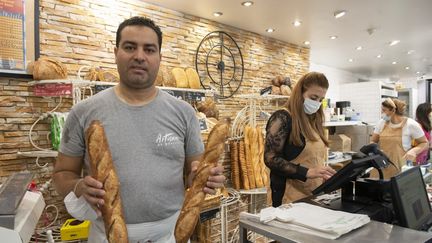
x=247, y=3
x=395, y=42
x=333, y=37
x=394, y=63
x=359, y=48
x=217, y=14
x=350, y=60
x=425, y=59
x=418, y=72
x=410, y=52
x=297, y=23
x=379, y=56
x=270, y=30
x=306, y=42
x=407, y=68
x=339, y=13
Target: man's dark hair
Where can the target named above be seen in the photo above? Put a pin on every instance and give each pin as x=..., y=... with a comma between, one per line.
x=140, y=21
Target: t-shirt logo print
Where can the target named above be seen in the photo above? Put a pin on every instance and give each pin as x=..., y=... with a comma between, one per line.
x=167, y=139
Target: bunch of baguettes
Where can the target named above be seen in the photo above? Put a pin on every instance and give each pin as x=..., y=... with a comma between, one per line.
x=248, y=170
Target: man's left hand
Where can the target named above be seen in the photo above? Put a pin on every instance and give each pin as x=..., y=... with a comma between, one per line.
x=214, y=181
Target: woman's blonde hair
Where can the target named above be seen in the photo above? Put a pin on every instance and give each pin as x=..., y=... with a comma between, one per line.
x=303, y=124
x=396, y=105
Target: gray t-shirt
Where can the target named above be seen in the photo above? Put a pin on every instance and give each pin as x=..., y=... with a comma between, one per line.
x=148, y=145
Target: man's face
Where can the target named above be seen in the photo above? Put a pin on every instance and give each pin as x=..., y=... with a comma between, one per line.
x=138, y=57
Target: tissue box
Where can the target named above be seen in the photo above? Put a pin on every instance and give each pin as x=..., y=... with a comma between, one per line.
x=74, y=229
x=340, y=142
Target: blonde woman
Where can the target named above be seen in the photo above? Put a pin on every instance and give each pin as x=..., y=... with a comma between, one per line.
x=394, y=133
x=295, y=145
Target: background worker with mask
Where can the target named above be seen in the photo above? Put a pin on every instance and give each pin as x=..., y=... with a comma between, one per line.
x=295, y=144
x=394, y=133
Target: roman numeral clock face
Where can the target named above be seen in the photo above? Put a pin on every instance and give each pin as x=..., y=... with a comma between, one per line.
x=219, y=64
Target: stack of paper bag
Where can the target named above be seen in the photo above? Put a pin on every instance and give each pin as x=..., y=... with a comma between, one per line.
x=310, y=219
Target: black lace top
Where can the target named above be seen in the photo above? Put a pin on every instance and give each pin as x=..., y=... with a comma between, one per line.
x=278, y=152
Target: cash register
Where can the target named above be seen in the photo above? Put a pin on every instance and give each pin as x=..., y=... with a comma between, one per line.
x=402, y=200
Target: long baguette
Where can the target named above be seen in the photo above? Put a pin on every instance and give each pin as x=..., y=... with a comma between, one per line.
x=195, y=195
x=102, y=169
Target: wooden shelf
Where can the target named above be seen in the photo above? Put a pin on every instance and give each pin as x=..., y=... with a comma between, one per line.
x=39, y=153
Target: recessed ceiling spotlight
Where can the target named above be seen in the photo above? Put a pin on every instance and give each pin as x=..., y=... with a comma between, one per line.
x=394, y=63
x=247, y=3
x=410, y=52
x=379, y=56
x=359, y=48
x=306, y=43
x=333, y=37
x=339, y=13
x=270, y=30
x=418, y=72
x=217, y=14
x=394, y=42
x=350, y=60
x=407, y=68
x=297, y=23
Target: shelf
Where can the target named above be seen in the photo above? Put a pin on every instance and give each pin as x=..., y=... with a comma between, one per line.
x=261, y=190
x=262, y=97
x=71, y=81
x=204, y=91
x=342, y=123
x=39, y=153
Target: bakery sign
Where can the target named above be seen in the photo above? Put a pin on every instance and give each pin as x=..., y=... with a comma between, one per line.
x=53, y=89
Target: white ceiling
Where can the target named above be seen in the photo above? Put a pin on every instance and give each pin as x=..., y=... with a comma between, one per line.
x=409, y=21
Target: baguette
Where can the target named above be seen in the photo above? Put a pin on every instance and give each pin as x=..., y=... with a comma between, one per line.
x=254, y=145
x=243, y=166
x=102, y=169
x=195, y=195
x=249, y=158
x=235, y=170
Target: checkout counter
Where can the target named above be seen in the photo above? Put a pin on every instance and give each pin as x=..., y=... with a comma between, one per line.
x=399, y=208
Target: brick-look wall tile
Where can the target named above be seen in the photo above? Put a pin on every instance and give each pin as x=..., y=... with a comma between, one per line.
x=82, y=33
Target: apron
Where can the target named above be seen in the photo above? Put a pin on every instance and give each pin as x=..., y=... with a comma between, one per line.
x=313, y=155
x=390, y=142
x=161, y=231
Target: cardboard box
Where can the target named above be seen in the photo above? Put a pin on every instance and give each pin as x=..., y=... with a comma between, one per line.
x=340, y=142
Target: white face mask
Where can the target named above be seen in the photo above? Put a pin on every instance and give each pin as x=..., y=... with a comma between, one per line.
x=385, y=117
x=311, y=106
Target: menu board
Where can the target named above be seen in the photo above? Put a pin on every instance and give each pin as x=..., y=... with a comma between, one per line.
x=12, y=35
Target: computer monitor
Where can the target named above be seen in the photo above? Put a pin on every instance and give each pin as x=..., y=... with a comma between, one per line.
x=410, y=199
x=348, y=173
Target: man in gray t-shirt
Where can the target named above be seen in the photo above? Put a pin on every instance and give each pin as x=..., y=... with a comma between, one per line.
x=153, y=138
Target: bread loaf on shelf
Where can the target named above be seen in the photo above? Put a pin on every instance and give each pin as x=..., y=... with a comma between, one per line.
x=235, y=167
x=193, y=78
x=248, y=156
x=243, y=166
x=262, y=166
x=194, y=196
x=47, y=68
x=255, y=159
x=180, y=77
x=102, y=169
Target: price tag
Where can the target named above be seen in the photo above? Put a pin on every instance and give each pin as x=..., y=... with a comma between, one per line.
x=52, y=89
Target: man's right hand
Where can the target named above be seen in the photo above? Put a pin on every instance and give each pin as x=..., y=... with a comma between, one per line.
x=324, y=172
x=93, y=192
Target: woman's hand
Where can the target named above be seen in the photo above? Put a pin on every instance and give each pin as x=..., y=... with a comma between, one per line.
x=93, y=192
x=324, y=172
x=410, y=156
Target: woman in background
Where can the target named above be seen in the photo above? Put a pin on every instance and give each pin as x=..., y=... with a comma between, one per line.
x=295, y=144
x=423, y=117
x=394, y=133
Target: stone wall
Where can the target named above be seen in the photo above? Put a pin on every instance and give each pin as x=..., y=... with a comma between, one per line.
x=82, y=32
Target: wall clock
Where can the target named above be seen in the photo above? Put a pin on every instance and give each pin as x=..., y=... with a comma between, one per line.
x=219, y=63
